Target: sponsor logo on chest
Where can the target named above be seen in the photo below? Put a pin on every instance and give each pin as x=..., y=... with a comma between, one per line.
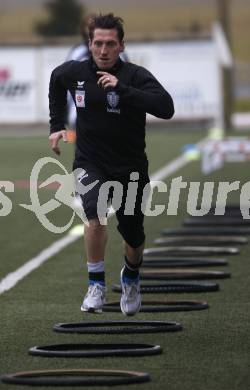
x=80, y=94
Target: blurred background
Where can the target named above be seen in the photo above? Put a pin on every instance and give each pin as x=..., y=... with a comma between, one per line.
x=37, y=23
x=199, y=50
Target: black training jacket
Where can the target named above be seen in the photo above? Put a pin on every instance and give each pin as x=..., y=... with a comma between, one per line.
x=110, y=123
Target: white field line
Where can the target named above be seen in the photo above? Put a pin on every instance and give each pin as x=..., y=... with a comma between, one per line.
x=75, y=233
x=170, y=168
x=174, y=165
x=14, y=277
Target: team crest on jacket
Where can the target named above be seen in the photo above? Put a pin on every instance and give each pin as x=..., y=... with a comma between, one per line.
x=113, y=101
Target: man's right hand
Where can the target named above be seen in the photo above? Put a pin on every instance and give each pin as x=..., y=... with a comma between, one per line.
x=54, y=139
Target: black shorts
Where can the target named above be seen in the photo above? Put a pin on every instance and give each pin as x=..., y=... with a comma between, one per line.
x=125, y=196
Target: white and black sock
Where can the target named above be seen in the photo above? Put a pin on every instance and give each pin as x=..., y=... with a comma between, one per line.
x=131, y=271
x=96, y=273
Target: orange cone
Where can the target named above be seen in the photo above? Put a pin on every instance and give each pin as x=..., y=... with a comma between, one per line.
x=71, y=135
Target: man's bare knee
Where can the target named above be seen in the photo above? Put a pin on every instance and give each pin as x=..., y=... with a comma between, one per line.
x=94, y=224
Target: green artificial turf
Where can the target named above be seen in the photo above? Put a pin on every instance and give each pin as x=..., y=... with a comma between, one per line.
x=212, y=351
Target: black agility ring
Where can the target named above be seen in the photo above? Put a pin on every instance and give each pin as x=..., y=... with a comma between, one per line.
x=155, y=262
x=170, y=274
x=227, y=230
x=174, y=287
x=117, y=327
x=219, y=216
x=76, y=377
x=95, y=350
x=215, y=221
x=160, y=306
x=204, y=240
x=190, y=250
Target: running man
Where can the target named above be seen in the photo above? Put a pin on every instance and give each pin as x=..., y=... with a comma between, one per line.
x=112, y=98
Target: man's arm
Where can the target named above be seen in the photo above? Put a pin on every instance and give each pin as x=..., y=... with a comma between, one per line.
x=58, y=110
x=147, y=94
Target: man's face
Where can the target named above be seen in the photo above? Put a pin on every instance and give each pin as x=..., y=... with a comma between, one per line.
x=105, y=47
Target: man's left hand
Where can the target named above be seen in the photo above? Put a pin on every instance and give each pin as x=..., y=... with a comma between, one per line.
x=107, y=80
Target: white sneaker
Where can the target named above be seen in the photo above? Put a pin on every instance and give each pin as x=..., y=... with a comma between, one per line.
x=94, y=299
x=131, y=298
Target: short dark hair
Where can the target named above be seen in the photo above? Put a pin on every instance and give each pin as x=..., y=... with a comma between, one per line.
x=108, y=22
